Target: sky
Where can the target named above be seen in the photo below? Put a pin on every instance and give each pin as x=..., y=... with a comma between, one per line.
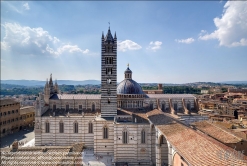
x=163, y=41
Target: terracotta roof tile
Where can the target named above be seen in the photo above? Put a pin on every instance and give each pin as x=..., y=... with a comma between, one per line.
x=199, y=149
x=217, y=132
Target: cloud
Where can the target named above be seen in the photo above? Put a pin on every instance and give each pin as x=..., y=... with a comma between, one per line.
x=231, y=27
x=185, y=41
x=128, y=45
x=154, y=45
x=26, y=6
x=34, y=41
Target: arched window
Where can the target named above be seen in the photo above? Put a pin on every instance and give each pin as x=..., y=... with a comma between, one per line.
x=90, y=127
x=47, y=127
x=76, y=127
x=125, y=137
x=105, y=132
x=162, y=140
x=61, y=127
x=151, y=106
x=188, y=105
x=67, y=107
x=54, y=107
x=143, y=137
x=93, y=107
x=175, y=106
x=163, y=107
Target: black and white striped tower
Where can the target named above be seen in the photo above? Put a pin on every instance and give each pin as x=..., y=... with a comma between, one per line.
x=108, y=75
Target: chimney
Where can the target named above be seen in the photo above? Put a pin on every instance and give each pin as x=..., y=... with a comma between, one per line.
x=159, y=86
x=15, y=146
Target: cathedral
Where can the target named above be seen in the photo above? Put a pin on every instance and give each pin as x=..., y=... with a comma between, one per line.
x=134, y=127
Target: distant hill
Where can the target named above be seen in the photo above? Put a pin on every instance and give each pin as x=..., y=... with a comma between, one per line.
x=234, y=82
x=42, y=83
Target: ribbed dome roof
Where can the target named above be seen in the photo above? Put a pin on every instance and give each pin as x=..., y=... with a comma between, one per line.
x=129, y=86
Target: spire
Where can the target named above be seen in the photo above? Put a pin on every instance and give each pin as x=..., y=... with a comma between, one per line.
x=46, y=84
x=108, y=37
x=51, y=79
x=102, y=34
x=115, y=35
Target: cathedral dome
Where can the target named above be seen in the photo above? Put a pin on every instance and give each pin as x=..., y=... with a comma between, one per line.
x=129, y=86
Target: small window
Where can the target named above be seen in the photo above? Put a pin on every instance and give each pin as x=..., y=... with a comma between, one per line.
x=75, y=127
x=4, y=113
x=61, y=127
x=13, y=111
x=93, y=107
x=16, y=111
x=105, y=132
x=8, y=112
x=67, y=107
x=90, y=127
x=125, y=137
x=47, y=127
x=143, y=137
x=80, y=107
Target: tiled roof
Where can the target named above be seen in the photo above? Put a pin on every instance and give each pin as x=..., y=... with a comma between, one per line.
x=139, y=115
x=170, y=96
x=217, y=132
x=199, y=149
x=29, y=156
x=75, y=96
x=7, y=101
x=157, y=117
x=27, y=109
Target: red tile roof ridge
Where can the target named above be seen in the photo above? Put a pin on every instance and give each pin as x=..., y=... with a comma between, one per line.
x=226, y=131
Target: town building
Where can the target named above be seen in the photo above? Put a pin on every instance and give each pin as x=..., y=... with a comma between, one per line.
x=9, y=116
x=27, y=115
x=13, y=118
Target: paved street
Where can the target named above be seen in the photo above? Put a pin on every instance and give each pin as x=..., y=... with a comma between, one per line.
x=21, y=136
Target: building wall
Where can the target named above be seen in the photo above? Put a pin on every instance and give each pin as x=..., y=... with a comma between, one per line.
x=103, y=146
x=9, y=118
x=134, y=151
x=178, y=160
x=54, y=137
x=27, y=115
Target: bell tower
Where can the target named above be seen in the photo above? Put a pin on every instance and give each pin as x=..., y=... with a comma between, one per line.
x=108, y=75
